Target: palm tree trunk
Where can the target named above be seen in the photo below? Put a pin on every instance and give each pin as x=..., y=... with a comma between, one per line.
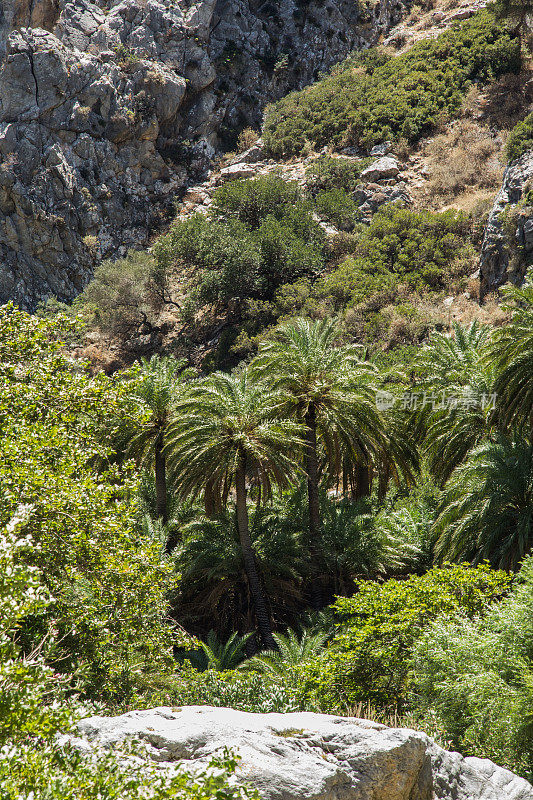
x=312, y=473
x=261, y=612
x=160, y=482
x=311, y=463
x=363, y=486
x=209, y=501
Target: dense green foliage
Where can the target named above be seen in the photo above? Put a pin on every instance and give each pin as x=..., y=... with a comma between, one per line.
x=477, y=675
x=373, y=97
x=260, y=255
x=418, y=249
x=93, y=599
x=456, y=382
x=520, y=139
x=79, y=510
x=487, y=509
x=261, y=234
x=368, y=659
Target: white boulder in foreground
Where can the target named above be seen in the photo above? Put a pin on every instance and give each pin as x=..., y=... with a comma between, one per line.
x=304, y=756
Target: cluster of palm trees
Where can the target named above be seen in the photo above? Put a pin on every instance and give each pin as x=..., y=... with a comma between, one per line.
x=305, y=408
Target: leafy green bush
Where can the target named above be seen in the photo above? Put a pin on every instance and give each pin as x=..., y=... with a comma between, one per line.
x=338, y=207
x=108, y=586
x=477, y=677
x=327, y=173
x=51, y=772
x=368, y=660
x=243, y=691
x=520, y=139
x=368, y=100
x=28, y=687
x=417, y=248
x=262, y=234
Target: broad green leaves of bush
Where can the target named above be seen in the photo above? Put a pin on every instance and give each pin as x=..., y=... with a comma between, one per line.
x=477, y=676
x=368, y=659
x=107, y=586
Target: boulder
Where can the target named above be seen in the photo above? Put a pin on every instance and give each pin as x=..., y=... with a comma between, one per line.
x=386, y=167
x=306, y=756
x=235, y=171
x=497, y=264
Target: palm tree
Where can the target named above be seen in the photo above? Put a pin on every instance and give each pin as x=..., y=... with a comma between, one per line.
x=154, y=393
x=213, y=590
x=457, y=388
x=226, y=434
x=331, y=390
x=512, y=351
x=221, y=656
x=291, y=652
x=487, y=509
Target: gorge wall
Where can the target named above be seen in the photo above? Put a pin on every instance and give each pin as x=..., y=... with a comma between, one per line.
x=108, y=109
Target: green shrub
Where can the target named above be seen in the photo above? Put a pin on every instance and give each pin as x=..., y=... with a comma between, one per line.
x=415, y=248
x=108, y=586
x=368, y=660
x=262, y=234
x=327, y=172
x=520, y=139
x=56, y=773
x=243, y=691
x=477, y=677
x=252, y=200
x=338, y=207
x=370, y=99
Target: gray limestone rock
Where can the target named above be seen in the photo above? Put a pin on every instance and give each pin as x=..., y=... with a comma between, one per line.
x=305, y=756
x=506, y=253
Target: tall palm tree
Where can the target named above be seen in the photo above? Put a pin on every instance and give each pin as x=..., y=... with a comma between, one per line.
x=154, y=392
x=456, y=391
x=226, y=434
x=213, y=590
x=512, y=351
x=487, y=509
x=331, y=390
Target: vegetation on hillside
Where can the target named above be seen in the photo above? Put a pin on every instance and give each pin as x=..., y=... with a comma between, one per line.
x=373, y=97
x=289, y=483
x=285, y=504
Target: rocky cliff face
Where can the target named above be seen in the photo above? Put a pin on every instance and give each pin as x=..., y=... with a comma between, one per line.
x=108, y=109
x=508, y=242
x=311, y=756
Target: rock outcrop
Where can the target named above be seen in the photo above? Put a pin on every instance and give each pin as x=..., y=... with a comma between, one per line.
x=108, y=109
x=508, y=242
x=309, y=756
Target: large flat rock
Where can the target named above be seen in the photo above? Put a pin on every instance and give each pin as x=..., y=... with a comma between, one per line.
x=305, y=756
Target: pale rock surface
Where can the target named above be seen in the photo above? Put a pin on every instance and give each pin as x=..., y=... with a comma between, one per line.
x=386, y=167
x=305, y=756
x=234, y=171
x=496, y=266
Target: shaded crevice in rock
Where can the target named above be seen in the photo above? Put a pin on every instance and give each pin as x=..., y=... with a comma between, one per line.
x=507, y=248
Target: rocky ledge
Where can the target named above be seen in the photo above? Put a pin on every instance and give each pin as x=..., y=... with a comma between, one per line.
x=508, y=242
x=309, y=756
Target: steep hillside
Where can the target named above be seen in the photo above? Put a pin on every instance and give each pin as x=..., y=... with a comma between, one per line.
x=394, y=159
x=108, y=108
